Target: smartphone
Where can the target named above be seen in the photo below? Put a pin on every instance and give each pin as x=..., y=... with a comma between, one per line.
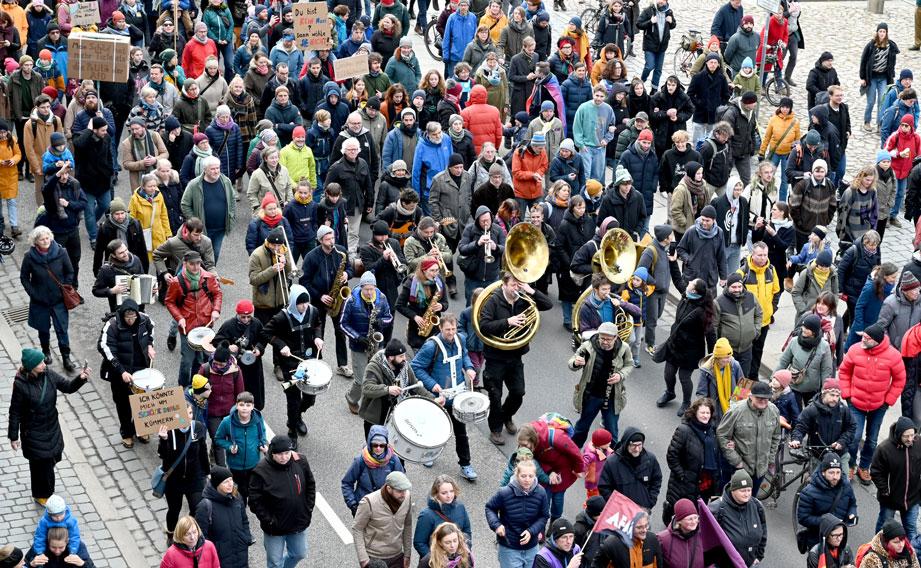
x=672, y=248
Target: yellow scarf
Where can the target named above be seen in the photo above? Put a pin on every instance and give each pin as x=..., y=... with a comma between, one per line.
x=723, y=378
x=821, y=275
x=304, y=202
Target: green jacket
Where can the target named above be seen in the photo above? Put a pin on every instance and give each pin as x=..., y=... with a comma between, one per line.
x=398, y=11
x=755, y=434
x=622, y=363
x=379, y=377
x=377, y=84
x=407, y=74
x=193, y=201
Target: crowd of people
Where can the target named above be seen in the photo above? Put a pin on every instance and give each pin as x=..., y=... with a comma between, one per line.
x=223, y=114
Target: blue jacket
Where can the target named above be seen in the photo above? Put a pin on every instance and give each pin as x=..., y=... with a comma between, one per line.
x=560, y=169
x=393, y=148
x=518, y=511
x=892, y=95
x=816, y=500
x=465, y=326
x=788, y=406
x=807, y=254
x=644, y=170
x=48, y=160
x=40, y=542
x=459, y=32
x=303, y=221
x=349, y=47
x=294, y=59
x=231, y=153
x=339, y=112
x=706, y=387
x=890, y=117
x=361, y=479
x=356, y=317
x=243, y=55
x=429, y=160
x=258, y=231
x=575, y=92
x=321, y=142
x=867, y=310
x=430, y=367
x=432, y=516
x=318, y=269
x=248, y=437
x=726, y=21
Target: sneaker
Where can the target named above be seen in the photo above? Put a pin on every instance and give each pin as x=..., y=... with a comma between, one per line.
x=429, y=464
x=864, y=476
x=353, y=408
x=93, y=244
x=510, y=427
x=867, y=127
x=128, y=442
x=496, y=438
x=651, y=350
x=468, y=473
x=345, y=371
x=665, y=399
x=894, y=221
x=41, y=501
x=636, y=364
x=171, y=342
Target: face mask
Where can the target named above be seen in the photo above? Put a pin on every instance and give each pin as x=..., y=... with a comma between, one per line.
x=693, y=296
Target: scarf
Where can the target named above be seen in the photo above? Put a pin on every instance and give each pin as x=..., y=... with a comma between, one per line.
x=391, y=501
x=271, y=221
x=456, y=138
x=696, y=189
x=193, y=280
x=143, y=147
x=821, y=275
x=158, y=87
x=808, y=343
x=201, y=155
x=376, y=463
x=707, y=437
x=228, y=127
x=723, y=376
x=703, y=233
x=121, y=228
x=305, y=200
x=418, y=289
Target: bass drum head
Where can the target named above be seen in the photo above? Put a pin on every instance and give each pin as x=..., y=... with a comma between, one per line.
x=419, y=429
x=317, y=376
x=470, y=407
x=200, y=339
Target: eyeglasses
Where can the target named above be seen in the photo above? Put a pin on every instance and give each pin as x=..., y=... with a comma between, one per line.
x=836, y=535
x=378, y=445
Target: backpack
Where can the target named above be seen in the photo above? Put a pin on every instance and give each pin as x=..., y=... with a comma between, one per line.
x=863, y=550
x=185, y=290
x=712, y=144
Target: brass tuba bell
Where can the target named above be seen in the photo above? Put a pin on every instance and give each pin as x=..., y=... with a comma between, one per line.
x=616, y=256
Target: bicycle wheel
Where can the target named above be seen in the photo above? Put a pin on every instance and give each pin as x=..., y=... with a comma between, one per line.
x=773, y=94
x=590, y=17
x=432, y=40
x=681, y=65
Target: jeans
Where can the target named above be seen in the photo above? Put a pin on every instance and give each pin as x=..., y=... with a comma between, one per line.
x=733, y=253
x=190, y=360
x=96, y=207
x=421, y=20
x=227, y=54
x=780, y=162
x=511, y=375
x=593, y=160
x=875, y=89
x=873, y=420
x=839, y=173
x=217, y=239
x=700, y=131
x=12, y=210
x=513, y=558
x=909, y=519
x=556, y=504
x=654, y=62
x=567, y=313
x=470, y=285
x=275, y=554
x=591, y=406
x=900, y=185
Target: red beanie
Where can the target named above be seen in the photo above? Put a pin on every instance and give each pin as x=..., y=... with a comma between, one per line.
x=117, y=15
x=684, y=508
x=428, y=262
x=601, y=437
x=298, y=132
x=645, y=134
x=269, y=198
x=51, y=92
x=245, y=307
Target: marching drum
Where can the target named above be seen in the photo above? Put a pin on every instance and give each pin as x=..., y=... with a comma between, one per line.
x=200, y=339
x=419, y=429
x=470, y=407
x=247, y=357
x=147, y=380
x=316, y=376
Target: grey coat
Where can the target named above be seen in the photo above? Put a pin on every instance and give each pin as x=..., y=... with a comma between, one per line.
x=897, y=316
x=742, y=44
x=703, y=258
x=738, y=320
x=820, y=368
x=657, y=265
x=806, y=288
x=448, y=200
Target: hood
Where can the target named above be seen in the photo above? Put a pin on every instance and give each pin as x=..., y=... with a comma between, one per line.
x=821, y=113
x=628, y=433
x=296, y=290
x=829, y=523
x=898, y=428
x=331, y=87
x=215, y=495
x=128, y=305
x=480, y=211
x=377, y=430
x=477, y=96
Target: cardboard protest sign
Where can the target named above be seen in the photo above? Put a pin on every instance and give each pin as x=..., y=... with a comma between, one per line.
x=163, y=407
x=84, y=14
x=99, y=57
x=311, y=25
x=349, y=67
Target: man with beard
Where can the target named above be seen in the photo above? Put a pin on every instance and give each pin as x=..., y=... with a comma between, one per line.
x=92, y=107
x=94, y=170
x=282, y=78
x=895, y=472
x=400, y=143
x=450, y=199
x=494, y=191
x=117, y=224
x=126, y=345
x=140, y=150
x=632, y=470
x=700, y=246
x=166, y=91
x=742, y=44
x=387, y=375
x=403, y=216
x=244, y=334
x=121, y=262
x=296, y=333
x=383, y=527
x=381, y=256
x=738, y=319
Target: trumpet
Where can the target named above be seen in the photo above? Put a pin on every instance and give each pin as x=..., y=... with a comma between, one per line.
x=441, y=261
x=399, y=266
x=488, y=257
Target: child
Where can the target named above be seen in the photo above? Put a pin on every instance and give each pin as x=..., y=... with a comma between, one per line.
x=338, y=19
x=593, y=456
x=301, y=213
x=242, y=434
x=56, y=155
x=462, y=78
x=57, y=514
x=812, y=248
x=784, y=399
x=197, y=396
x=474, y=343
x=746, y=80
x=514, y=135
x=523, y=453
x=635, y=293
x=331, y=212
x=591, y=195
x=48, y=69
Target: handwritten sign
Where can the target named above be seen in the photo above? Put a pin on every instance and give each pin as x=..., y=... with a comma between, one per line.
x=348, y=67
x=99, y=57
x=163, y=407
x=311, y=25
x=84, y=14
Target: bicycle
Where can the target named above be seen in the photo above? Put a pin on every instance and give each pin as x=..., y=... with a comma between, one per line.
x=782, y=89
x=432, y=39
x=692, y=46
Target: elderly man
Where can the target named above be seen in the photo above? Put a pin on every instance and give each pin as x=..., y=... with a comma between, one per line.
x=749, y=433
x=140, y=151
x=210, y=197
x=383, y=527
x=605, y=362
x=353, y=174
x=369, y=150
x=741, y=516
x=702, y=250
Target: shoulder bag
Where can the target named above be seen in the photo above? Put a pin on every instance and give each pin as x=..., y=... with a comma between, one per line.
x=159, y=477
x=799, y=375
x=71, y=297
x=772, y=151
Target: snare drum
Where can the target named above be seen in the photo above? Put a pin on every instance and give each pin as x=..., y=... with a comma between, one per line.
x=147, y=380
x=200, y=339
x=470, y=407
x=419, y=429
x=317, y=375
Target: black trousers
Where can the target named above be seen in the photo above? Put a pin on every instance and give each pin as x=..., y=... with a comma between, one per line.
x=41, y=472
x=342, y=352
x=297, y=404
x=121, y=391
x=241, y=478
x=496, y=374
x=174, y=496
x=461, y=441
x=254, y=382
x=219, y=453
x=673, y=372
x=71, y=243
x=757, y=352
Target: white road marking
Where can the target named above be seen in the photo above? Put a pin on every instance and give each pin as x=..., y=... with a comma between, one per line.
x=323, y=505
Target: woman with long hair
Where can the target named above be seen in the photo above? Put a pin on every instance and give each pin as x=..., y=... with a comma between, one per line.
x=357, y=96
x=443, y=508
x=509, y=215
x=424, y=289
x=877, y=69
x=826, y=307
x=777, y=233
x=395, y=100
x=692, y=336
x=879, y=284
x=386, y=39
x=433, y=85
x=518, y=513
x=693, y=457
x=449, y=549
x=9, y=181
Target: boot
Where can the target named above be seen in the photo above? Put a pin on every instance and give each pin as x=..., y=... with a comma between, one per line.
x=70, y=365
x=788, y=80
x=665, y=399
x=46, y=349
x=169, y=538
x=15, y=232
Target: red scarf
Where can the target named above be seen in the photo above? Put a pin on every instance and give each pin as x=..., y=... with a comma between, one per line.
x=271, y=221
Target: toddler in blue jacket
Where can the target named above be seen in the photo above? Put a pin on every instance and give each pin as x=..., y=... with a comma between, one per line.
x=57, y=514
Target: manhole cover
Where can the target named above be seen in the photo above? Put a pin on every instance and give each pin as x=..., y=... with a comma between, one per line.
x=16, y=315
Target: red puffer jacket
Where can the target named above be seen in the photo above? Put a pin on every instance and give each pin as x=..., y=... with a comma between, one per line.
x=872, y=377
x=179, y=556
x=224, y=387
x=560, y=455
x=482, y=120
x=195, y=307
x=525, y=164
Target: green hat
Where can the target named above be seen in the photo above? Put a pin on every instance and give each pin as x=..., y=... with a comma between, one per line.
x=167, y=55
x=31, y=358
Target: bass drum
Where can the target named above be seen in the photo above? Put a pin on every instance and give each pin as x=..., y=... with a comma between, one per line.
x=317, y=375
x=419, y=429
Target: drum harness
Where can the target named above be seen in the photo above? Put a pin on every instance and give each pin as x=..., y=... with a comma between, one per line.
x=451, y=362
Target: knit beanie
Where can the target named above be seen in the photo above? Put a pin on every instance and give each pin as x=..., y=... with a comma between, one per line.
x=601, y=437
x=722, y=348
x=31, y=358
x=684, y=508
x=740, y=480
x=218, y=475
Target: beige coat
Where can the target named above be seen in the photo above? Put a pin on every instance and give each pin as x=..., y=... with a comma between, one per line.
x=269, y=290
x=259, y=185
x=682, y=211
x=415, y=250
x=378, y=533
x=36, y=144
x=135, y=164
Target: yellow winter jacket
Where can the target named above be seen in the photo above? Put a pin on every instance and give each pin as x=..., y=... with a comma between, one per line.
x=157, y=221
x=495, y=25
x=774, y=138
x=762, y=283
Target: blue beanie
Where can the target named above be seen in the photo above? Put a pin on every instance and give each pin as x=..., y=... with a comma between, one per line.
x=882, y=156
x=747, y=62
x=546, y=105
x=642, y=273
x=906, y=74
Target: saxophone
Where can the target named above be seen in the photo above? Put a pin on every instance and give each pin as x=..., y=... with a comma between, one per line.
x=375, y=338
x=338, y=292
x=430, y=318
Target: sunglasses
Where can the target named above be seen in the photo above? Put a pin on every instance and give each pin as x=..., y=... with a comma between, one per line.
x=378, y=445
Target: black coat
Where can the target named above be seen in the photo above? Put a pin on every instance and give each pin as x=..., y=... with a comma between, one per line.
x=519, y=68
x=93, y=160
x=825, y=425
x=43, y=291
x=475, y=266
x=651, y=39
x=801, y=160
x=372, y=257
x=124, y=347
x=707, y=92
x=494, y=321
x=178, y=149
x=282, y=496
x=717, y=160
x=629, y=211
x=819, y=80
x=662, y=126
x=671, y=166
x=190, y=474
x=745, y=131
x=744, y=525
x=685, y=459
x=34, y=413
x=721, y=204
x=311, y=91
x=570, y=236
x=691, y=337
x=854, y=268
x=223, y=521
x=356, y=181
x=869, y=54
x=640, y=480
x=105, y=279
x=614, y=552
x=895, y=469
x=699, y=256
x=107, y=232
